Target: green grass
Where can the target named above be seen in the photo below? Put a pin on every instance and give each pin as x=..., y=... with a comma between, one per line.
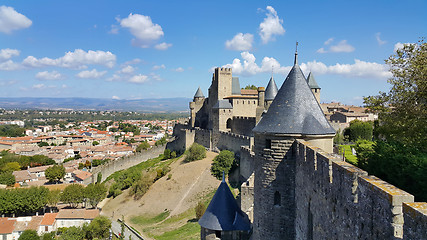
x=191, y=230
x=349, y=157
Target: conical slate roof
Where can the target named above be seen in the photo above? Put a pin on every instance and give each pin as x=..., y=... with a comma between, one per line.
x=312, y=82
x=271, y=90
x=295, y=109
x=223, y=213
x=199, y=93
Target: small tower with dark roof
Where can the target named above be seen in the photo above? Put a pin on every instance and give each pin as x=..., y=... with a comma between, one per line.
x=223, y=218
x=293, y=114
x=314, y=86
x=196, y=105
x=270, y=92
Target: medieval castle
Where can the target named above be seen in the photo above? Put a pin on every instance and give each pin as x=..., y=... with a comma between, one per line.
x=293, y=186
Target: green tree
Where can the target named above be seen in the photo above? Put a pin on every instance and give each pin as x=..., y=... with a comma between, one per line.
x=43, y=144
x=222, y=163
x=11, y=166
x=162, y=141
x=53, y=197
x=11, y=131
x=55, y=173
x=167, y=154
x=7, y=178
x=173, y=154
x=98, y=228
x=143, y=146
x=359, y=130
x=195, y=152
x=200, y=210
x=72, y=233
x=252, y=87
x=48, y=236
x=95, y=193
x=73, y=195
x=141, y=186
x=94, y=143
x=29, y=235
x=99, y=178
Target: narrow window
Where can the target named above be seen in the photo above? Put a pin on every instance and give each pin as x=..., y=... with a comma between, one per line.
x=218, y=234
x=277, y=200
x=268, y=143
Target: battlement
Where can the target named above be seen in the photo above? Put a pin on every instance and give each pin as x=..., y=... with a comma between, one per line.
x=243, y=118
x=349, y=202
x=223, y=69
x=238, y=136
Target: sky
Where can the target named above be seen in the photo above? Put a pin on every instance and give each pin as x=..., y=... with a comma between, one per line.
x=162, y=49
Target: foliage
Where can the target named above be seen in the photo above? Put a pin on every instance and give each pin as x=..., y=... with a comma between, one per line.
x=99, y=178
x=29, y=235
x=23, y=200
x=55, y=173
x=339, y=137
x=97, y=162
x=95, y=193
x=94, y=143
x=200, y=210
x=405, y=121
x=195, y=152
x=162, y=172
x=11, y=131
x=222, y=163
x=173, y=154
x=143, y=146
x=252, y=87
x=359, y=130
x=72, y=233
x=167, y=154
x=48, y=236
x=11, y=166
x=43, y=144
x=7, y=178
x=162, y=141
x=141, y=186
x=73, y=195
x=53, y=197
x=24, y=161
x=403, y=166
x=98, y=228
x=346, y=150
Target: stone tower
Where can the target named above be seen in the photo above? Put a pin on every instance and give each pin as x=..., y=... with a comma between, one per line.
x=196, y=105
x=314, y=86
x=293, y=114
x=270, y=92
x=220, y=88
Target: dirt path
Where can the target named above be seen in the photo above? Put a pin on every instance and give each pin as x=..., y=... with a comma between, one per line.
x=189, y=182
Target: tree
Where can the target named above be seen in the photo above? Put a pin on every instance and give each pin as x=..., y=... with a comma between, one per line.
x=195, y=152
x=403, y=110
x=29, y=235
x=222, y=163
x=99, y=178
x=167, y=154
x=252, y=87
x=359, y=130
x=162, y=141
x=73, y=233
x=95, y=193
x=143, y=146
x=11, y=166
x=140, y=187
x=7, y=178
x=200, y=210
x=55, y=173
x=73, y=195
x=43, y=144
x=94, y=143
x=98, y=228
x=53, y=197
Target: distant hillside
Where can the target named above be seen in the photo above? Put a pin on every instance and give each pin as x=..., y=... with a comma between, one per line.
x=141, y=105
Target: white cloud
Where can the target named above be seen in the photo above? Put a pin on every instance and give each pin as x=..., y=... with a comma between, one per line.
x=271, y=26
x=327, y=42
x=180, y=69
x=163, y=46
x=155, y=77
x=79, y=59
x=156, y=67
x=114, y=29
x=138, y=79
x=127, y=69
x=54, y=75
x=380, y=42
x=358, y=69
x=6, y=54
x=93, y=74
x=142, y=28
x=342, y=46
x=115, y=98
x=7, y=83
x=400, y=45
x=9, y=66
x=11, y=20
x=38, y=86
x=240, y=42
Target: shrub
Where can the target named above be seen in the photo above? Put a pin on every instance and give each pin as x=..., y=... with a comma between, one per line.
x=200, y=210
x=222, y=163
x=141, y=186
x=166, y=154
x=173, y=154
x=195, y=152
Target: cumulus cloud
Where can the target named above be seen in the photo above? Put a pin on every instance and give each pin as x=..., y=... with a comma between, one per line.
x=79, y=59
x=358, y=69
x=127, y=69
x=271, y=26
x=138, y=79
x=163, y=46
x=54, y=75
x=180, y=69
x=93, y=74
x=157, y=67
x=142, y=28
x=342, y=46
x=7, y=53
x=400, y=45
x=38, y=86
x=380, y=42
x=240, y=42
x=115, y=98
x=11, y=20
x=9, y=65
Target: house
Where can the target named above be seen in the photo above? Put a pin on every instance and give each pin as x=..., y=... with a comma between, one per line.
x=24, y=176
x=25, y=223
x=47, y=223
x=6, y=228
x=80, y=175
x=74, y=217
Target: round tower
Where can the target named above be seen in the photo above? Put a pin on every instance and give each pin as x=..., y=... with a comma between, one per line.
x=293, y=114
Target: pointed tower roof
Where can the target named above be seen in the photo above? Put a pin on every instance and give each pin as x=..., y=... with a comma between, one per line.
x=223, y=213
x=312, y=82
x=295, y=109
x=271, y=90
x=199, y=93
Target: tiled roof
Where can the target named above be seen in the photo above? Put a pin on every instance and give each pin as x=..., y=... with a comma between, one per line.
x=6, y=225
x=223, y=104
x=249, y=92
x=199, y=93
x=271, y=90
x=77, y=214
x=48, y=219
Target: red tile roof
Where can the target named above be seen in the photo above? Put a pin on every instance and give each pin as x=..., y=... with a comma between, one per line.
x=48, y=219
x=6, y=225
x=77, y=214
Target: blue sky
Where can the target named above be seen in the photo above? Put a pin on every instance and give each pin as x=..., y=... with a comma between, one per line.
x=159, y=49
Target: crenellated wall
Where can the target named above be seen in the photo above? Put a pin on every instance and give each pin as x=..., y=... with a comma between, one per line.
x=203, y=137
x=336, y=200
x=243, y=125
x=230, y=141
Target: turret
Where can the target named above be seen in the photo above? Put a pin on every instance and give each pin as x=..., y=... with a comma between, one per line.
x=315, y=89
x=260, y=108
x=196, y=105
x=270, y=92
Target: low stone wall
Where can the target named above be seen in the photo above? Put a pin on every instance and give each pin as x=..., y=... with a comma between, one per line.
x=246, y=162
x=336, y=200
x=243, y=125
x=231, y=141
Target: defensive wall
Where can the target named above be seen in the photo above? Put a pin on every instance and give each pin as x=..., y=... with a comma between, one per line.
x=336, y=200
x=230, y=141
x=123, y=163
x=246, y=167
x=243, y=125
